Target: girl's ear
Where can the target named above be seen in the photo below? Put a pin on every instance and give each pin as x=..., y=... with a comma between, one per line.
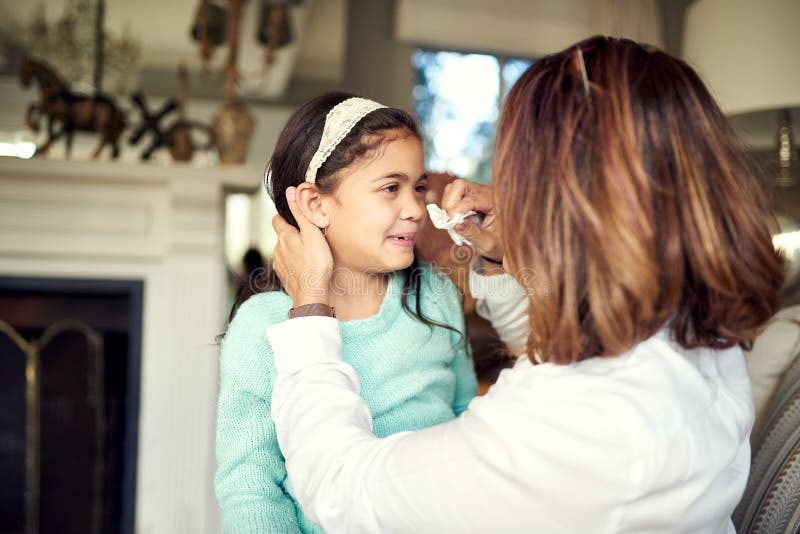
x=310, y=202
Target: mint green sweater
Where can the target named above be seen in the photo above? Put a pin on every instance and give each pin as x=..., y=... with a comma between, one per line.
x=412, y=376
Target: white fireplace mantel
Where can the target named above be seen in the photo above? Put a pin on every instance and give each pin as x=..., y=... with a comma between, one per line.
x=164, y=226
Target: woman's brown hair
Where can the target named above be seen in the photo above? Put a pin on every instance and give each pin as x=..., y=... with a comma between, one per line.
x=627, y=203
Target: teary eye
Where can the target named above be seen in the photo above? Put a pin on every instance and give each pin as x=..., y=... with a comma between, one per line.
x=392, y=188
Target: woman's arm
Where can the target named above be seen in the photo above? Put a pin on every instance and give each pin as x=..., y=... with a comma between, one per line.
x=501, y=299
x=442, y=478
x=488, y=470
x=504, y=303
x=250, y=467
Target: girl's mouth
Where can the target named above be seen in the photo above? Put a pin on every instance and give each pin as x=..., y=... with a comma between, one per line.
x=403, y=240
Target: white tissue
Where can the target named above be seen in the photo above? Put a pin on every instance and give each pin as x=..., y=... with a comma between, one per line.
x=439, y=218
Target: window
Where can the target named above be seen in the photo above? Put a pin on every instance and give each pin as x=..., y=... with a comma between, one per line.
x=458, y=99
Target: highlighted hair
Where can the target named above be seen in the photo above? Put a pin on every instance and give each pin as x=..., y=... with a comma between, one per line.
x=643, y=210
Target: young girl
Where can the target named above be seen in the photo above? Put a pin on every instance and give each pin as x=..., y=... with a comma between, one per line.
x=358, y=171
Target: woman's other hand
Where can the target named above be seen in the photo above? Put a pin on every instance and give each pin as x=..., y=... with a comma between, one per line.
x=462, y=196
x=302, y=259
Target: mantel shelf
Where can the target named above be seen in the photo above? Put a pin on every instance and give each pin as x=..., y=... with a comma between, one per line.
x=230, y=177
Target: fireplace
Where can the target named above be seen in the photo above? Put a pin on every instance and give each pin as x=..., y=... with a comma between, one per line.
x=70, y=354
x=111, y=237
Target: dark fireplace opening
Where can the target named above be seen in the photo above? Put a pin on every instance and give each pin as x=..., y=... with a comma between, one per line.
x=70, y=353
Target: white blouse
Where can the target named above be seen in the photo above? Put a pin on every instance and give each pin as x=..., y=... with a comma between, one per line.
x=655, y=440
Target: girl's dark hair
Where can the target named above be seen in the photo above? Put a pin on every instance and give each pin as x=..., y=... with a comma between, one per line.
x=296, y=145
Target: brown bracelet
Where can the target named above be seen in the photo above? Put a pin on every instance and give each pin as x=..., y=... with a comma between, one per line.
x=316, y=309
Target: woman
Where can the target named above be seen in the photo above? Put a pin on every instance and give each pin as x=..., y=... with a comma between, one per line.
x=630, y=218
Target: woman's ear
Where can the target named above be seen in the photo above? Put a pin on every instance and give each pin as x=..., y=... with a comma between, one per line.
x=310, y=202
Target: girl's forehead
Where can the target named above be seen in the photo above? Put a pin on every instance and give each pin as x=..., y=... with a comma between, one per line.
x=401, y=155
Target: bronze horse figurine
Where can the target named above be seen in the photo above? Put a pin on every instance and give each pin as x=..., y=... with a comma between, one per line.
x=72, y=110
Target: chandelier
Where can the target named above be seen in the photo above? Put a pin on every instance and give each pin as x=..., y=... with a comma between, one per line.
x=71, y=44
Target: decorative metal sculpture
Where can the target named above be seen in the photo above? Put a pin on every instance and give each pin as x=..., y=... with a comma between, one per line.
x=233, y=124
x=72, y=111
x=178, y=137
x=273, y=27
x=209, y=28
x=150, y=124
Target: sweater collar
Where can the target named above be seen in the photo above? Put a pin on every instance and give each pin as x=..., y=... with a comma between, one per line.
x=387, y=314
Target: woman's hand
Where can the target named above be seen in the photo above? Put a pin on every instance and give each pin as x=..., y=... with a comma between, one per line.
x=462, y=196
x=302, y=259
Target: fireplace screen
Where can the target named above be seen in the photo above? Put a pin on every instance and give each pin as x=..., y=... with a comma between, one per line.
x=65, y=424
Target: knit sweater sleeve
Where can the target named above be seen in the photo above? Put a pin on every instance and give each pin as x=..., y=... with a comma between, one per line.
x=464, y=369
x=250, y=467
x=448, y=298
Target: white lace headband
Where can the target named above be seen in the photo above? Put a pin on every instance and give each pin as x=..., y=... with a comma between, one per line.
x=338, y=123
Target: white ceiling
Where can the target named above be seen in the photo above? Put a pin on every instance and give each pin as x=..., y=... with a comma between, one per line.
x=163, y=30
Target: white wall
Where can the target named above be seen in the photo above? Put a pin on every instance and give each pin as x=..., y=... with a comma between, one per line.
x=523, y=28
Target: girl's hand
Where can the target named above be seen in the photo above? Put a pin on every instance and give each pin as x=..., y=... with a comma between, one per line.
x=461, y=196
x=302, y=259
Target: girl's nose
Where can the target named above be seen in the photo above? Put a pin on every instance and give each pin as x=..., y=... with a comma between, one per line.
x=413, y=208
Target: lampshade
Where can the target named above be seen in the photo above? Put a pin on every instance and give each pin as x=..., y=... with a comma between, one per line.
x=746, y=51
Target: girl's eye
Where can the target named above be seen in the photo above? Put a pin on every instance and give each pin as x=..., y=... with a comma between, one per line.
x=390, y=188
x=421, y=188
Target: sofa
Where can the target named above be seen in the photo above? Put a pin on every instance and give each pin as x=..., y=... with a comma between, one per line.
x=771, y=500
